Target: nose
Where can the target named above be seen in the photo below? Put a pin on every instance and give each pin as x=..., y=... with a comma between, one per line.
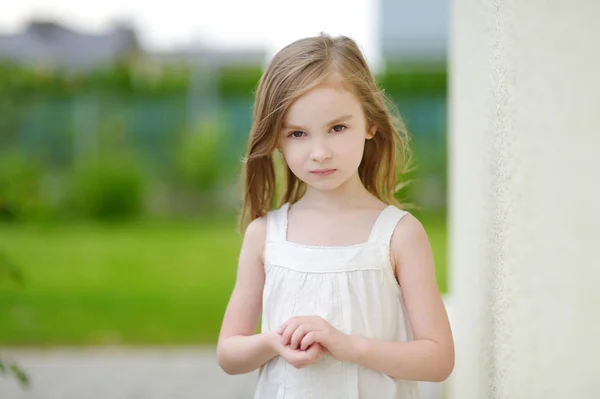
x=319, y=152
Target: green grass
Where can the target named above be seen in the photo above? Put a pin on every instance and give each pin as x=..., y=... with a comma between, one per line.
x=137, y=283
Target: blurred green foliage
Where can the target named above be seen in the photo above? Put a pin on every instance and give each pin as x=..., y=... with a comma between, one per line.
x=238, y=81
x=107, y=188
x=20, y=187
x=132, y=79
x=195, y=164
x=197, y=160
x=414, y=79
x=125, y=79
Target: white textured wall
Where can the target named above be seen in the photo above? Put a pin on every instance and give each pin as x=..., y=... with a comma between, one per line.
x=525, y=198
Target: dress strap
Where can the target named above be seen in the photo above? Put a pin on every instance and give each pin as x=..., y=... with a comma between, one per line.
x=386, y=222
x=277, y=224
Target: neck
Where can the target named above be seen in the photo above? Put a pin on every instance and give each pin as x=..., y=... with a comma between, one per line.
x=350, y=194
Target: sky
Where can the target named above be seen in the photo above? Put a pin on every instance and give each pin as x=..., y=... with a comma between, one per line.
x=217, y=23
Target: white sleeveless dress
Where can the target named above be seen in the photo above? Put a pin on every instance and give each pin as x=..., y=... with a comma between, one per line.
x=353, y=288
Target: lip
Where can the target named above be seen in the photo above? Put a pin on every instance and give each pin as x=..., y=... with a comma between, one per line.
x=322, y=172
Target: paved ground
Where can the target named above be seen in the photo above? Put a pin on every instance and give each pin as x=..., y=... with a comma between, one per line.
x=121, y=373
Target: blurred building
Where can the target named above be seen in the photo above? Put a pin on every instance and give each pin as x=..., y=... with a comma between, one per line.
x=51, y=44
x=48, y=43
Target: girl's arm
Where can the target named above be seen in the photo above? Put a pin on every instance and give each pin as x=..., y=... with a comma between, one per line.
x=239, y=349
x=430, y=357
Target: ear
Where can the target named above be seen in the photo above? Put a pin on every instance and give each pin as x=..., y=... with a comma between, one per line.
x=371, y=132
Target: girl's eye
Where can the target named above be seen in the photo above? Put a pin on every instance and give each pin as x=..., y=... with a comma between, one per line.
x=338, y=128
x=297, y=134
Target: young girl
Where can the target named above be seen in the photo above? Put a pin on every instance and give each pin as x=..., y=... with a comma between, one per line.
x=344, y=279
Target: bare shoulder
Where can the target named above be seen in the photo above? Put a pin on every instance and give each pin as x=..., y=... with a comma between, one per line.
x=257, y=229
x=255, y=236
x=408, y=228
x=409, y=240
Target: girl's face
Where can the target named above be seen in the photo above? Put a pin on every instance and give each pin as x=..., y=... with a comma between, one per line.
x=323, y=136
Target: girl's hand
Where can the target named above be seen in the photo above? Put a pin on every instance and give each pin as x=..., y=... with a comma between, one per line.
x=302, y=332
x=299, y=358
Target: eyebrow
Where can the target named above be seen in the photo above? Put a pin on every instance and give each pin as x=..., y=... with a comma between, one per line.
x=333, y=122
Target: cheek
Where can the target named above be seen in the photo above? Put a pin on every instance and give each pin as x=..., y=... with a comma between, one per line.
x=293, y=153
x=352, y=150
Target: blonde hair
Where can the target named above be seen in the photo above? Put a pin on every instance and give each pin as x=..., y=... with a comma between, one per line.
x=293, y=71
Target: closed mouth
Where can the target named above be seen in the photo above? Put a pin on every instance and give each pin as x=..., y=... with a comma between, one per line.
x=322, y=172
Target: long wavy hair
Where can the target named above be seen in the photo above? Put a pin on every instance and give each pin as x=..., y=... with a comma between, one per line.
x=293, y=71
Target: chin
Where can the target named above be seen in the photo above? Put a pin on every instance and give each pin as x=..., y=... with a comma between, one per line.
x=325, y=185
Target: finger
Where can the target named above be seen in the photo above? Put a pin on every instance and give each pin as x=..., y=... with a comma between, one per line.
x=314, y=352
x=282, y=328
x=308, y=340
x=297, y=337
x=286, y=335
x=320, y=352
x=298, y=358
x=295, y=320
